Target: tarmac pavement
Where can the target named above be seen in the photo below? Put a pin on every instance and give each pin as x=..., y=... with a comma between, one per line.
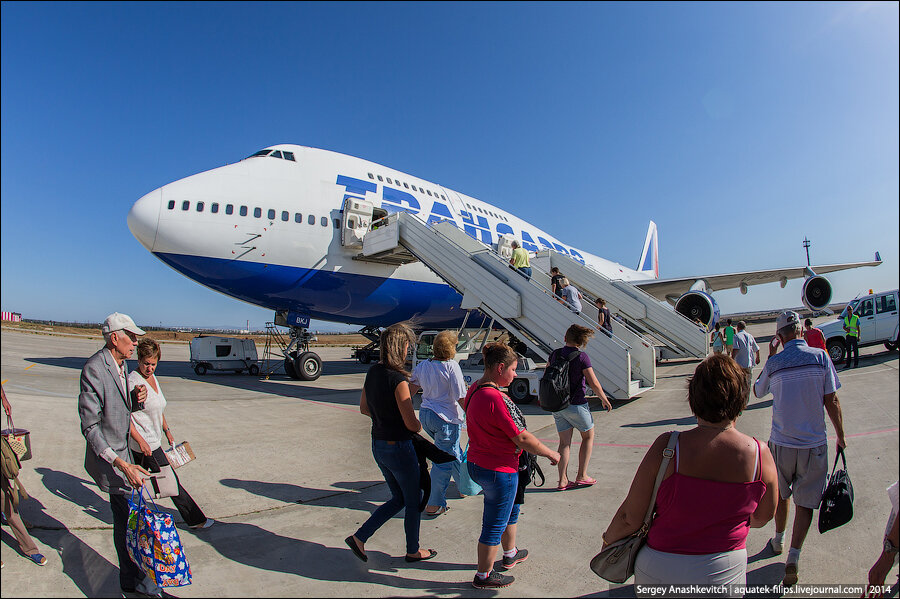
x=286, y=469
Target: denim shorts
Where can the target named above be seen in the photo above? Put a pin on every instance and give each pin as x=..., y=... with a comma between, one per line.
x=500, y=509
x=575, y=416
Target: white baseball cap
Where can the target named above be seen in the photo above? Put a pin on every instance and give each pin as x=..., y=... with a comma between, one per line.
x=118, y=322
x=786, y=318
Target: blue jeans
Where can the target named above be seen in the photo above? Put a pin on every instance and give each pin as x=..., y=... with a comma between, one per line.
x=400, y=467
x=446, y=437
x=500, y=509
x=526, y=271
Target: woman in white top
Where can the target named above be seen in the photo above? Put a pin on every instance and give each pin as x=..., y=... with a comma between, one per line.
x=441, y=413
x=148, y=425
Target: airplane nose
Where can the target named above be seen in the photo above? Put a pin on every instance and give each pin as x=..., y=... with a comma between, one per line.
x=143, y=219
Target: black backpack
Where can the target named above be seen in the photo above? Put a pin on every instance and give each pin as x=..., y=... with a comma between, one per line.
x=837, y=501
x=554, y=390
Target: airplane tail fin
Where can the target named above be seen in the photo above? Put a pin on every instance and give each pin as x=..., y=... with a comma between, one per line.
x=649, y=261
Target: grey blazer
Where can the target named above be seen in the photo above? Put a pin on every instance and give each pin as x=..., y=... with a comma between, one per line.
x=105, y=412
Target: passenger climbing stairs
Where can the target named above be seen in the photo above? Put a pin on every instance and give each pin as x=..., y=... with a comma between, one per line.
x=639, y=310
x=625, y=363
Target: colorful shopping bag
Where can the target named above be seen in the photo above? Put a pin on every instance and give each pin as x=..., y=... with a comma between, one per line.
x=153, y=544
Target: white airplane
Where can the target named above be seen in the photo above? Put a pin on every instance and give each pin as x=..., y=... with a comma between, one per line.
x=277, y=230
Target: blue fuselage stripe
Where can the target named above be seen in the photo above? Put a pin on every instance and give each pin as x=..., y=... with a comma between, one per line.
x=323, y=295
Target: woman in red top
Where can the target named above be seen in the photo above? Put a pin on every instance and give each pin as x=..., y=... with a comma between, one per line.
x=497, y=436
x=813, y=336
x=720, y=484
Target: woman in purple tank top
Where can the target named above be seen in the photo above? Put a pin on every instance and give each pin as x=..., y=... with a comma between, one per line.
x=720, y=484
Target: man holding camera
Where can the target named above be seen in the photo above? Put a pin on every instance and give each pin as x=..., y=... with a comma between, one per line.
x=105, y=406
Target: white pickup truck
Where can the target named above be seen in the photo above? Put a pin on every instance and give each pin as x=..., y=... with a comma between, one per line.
x=878, y=323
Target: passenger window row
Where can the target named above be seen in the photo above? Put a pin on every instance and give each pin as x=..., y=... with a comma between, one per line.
x=488, y=212
x=398, y=183
x=257, y=213
x=420, y=189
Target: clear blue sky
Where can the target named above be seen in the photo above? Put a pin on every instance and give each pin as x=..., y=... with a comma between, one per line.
x=738, y=128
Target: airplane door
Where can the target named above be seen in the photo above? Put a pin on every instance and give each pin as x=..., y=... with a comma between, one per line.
x=456, y=204
x=866, y=321
x=885, y=316
x=355, y=222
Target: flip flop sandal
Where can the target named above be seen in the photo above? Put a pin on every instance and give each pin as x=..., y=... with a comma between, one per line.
x=441, y=510
x=38, y=559
x=586, y=482
x=570, y=485
x=431, y=554
x=355, y=549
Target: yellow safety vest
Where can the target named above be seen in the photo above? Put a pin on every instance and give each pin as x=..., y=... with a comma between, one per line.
x=852, y=323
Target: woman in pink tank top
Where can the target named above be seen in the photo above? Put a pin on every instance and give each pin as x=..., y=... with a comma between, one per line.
x=720, y=484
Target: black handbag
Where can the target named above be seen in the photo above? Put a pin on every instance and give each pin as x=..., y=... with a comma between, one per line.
x=837, y=501
x=529, y=473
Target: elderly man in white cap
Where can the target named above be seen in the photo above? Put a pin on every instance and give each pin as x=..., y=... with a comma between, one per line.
x=804, y=387
x=104, y=406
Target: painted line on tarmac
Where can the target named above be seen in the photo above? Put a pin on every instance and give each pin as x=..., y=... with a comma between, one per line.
x=842, y=373
x=887, y=430
x=830, y=439
x=32, y=366
x=37, y=391
x=599, y=444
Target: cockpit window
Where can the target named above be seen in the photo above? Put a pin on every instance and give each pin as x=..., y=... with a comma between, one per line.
x=283, y=154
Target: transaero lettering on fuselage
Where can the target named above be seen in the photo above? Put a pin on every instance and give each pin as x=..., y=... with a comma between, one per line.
x=475, y=225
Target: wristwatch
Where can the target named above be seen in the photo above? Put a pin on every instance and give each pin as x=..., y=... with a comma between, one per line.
x=889, y=547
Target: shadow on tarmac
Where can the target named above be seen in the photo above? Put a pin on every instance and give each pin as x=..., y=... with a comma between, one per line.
x=256, y=547
x=75, y=490
x=92, y=573
x=290, y=493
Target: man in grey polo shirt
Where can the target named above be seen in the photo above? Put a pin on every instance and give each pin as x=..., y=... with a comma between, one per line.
x=803, y=383
x=744, y=351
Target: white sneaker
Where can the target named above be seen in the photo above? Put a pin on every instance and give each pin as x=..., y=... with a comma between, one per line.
x=777, y=548
x=209, y=522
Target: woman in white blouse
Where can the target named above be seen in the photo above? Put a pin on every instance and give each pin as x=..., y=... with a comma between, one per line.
x=441, y=413
x=148, y=426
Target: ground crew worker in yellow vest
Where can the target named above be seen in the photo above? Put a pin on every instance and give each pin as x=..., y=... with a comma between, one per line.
x=851, y=327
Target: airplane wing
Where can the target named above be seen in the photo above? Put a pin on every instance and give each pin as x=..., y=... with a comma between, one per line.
x=671, y=289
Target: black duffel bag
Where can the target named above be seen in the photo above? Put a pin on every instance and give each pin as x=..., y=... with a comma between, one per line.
x=837, y=501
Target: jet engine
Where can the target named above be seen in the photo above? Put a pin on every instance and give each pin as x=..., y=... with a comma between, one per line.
x=697, y=304
x=816, y=293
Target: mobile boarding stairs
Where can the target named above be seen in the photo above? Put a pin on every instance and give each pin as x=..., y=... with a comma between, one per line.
x=625, y=363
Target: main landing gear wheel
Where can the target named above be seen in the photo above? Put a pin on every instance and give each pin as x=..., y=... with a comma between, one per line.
x=519, y=391
x=289, y=368
x=308, y=366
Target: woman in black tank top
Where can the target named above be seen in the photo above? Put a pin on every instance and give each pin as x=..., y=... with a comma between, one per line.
x=385, y=398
